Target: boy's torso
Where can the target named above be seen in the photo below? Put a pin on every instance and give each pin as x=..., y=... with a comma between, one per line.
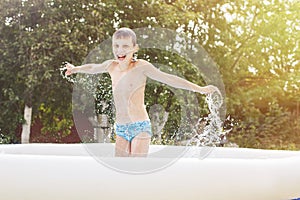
x=128, y=92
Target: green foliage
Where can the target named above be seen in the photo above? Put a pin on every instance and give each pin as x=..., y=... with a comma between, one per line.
x=8, y=139
x=277, y=128
x=56, y=122
x=254, y=43
x=104, y=99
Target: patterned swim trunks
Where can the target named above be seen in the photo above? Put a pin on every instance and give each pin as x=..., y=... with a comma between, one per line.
x=130, y=130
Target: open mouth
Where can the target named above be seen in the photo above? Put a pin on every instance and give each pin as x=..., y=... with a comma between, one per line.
x=121, y=57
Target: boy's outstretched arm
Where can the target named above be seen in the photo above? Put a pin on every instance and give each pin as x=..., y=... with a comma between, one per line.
x=88, y=68
x=175, y=81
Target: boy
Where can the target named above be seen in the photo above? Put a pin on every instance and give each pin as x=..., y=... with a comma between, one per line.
x=128, y=75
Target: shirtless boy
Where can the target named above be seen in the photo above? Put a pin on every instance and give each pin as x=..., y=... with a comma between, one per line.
x=128, y=75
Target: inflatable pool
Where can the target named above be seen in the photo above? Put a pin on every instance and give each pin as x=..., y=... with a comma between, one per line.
x=69, y=171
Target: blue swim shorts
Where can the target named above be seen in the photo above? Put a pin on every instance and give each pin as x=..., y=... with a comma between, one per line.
x=130, y=130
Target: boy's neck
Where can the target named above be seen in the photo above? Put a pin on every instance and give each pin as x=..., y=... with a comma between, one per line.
x=123, y=66
x=126, y=66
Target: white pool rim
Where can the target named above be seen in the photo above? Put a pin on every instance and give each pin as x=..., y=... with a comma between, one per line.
x=69, y=171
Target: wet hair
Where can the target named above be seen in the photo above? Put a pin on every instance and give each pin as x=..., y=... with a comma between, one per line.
x=125, y=33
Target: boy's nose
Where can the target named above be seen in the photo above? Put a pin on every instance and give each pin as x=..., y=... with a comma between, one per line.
x=120, y=50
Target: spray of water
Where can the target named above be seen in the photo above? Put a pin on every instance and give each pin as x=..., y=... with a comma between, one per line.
x=63, y=70
x=208, y=131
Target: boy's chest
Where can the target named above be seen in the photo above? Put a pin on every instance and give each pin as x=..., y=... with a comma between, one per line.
x=128, y=80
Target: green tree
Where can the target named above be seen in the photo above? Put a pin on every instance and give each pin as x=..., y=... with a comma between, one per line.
x=255, y=45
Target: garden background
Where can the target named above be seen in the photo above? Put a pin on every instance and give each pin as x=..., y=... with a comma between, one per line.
x=255, y=45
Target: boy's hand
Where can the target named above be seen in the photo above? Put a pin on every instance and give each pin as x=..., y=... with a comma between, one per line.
x=70, y=69
x=209, y=89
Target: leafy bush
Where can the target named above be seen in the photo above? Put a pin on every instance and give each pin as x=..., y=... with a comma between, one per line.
x=278, y=128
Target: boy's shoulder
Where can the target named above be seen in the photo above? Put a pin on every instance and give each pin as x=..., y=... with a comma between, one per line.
x=142, y=62
x=110, y=61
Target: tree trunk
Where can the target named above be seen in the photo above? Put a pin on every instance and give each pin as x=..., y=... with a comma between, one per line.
x=26, y=126
x=101, y=128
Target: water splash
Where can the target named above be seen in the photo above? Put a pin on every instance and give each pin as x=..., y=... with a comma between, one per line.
x=208, y=131
x=63, y=70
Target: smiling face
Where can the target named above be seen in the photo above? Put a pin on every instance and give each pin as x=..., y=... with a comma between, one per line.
x=123, y=48
x=124, y=45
